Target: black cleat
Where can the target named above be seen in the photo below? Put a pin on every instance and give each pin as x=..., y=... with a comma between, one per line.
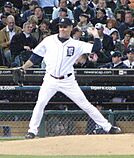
x=114, y=130
x=30, y=135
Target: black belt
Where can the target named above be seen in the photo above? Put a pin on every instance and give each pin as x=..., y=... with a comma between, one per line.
x=61, y=77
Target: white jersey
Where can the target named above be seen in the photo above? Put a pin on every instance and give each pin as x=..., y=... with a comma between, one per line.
x=51, y=49
x=127, y=62
x=60, y=58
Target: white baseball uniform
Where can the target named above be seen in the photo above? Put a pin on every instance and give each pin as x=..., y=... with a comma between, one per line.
x=60, y=58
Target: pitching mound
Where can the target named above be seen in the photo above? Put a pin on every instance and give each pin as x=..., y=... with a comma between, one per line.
x=72, y=145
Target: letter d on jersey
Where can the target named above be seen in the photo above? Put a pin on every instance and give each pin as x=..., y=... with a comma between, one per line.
x=70, y=51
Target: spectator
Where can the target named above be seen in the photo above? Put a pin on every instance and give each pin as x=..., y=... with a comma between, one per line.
x=111, y=4
x=111, y=23
x=123, y=5
x=103, y=5
x=3, y=20
x=127, y=24
x=114, y=33
x=30, y=11
x=6, y=35
x=48, y=5
x=7, y=8
x=116, y=61
x=44, y=28
x=34, y=20
x=41, y=31
x=84, y=24
x=25, y=6
x=100, y=17
x=120, y=17
x=128, y=37
x=81, y=61
x=54, y=24
x=16, y=13
x=21, y=45
x=131, y=4
x=39, y=13
x=86, y=61
x=83, y=8
x=104, y=55
x=130, y=57
x=62, y=4
x=76, y=33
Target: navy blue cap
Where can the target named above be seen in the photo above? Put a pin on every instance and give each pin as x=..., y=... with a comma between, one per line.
x=130, y=49
x=8, y=4
x=116, y=54
x=65, y=22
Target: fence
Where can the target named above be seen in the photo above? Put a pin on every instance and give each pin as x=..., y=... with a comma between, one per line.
x=55, y=123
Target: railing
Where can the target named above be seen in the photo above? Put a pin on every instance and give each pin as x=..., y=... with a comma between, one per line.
x=84, y=88
x=90, y=77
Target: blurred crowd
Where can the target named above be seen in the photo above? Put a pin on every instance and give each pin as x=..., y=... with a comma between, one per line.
x=25, y=23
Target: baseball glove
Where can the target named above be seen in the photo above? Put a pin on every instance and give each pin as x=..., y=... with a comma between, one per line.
x=18, y=76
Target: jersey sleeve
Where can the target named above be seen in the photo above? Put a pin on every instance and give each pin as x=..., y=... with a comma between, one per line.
x=97, y=45
x=85, y=47
x=35, y=59
x=90, y=48
x=40, y=49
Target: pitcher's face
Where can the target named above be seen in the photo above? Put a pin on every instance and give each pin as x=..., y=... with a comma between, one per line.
x=64, y=31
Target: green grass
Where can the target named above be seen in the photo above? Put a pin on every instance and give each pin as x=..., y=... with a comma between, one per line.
x=10, y=139
x=112, y=156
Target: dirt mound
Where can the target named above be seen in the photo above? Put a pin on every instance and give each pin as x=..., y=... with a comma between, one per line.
x=72, y=145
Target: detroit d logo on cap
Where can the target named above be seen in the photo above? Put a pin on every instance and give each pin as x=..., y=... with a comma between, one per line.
x=62, y=20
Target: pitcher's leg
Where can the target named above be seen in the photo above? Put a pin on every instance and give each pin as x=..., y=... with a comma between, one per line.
x=75, y=94
x=45, y=94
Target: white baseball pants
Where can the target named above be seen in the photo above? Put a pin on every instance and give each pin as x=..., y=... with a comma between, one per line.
x=70, y=88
